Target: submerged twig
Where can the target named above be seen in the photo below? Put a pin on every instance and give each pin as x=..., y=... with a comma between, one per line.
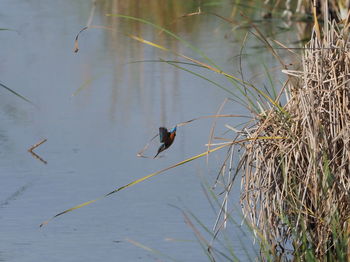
x=35, y=155
x=30, y=150
x=88, y=24
x=37, y=145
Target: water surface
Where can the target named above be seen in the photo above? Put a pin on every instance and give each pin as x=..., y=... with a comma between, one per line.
x=97, y=109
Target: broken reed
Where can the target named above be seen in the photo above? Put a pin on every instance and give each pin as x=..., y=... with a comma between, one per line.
x=296, y=191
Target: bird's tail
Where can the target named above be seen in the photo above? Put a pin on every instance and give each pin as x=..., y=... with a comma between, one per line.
x=161, y=148
x=156, y=155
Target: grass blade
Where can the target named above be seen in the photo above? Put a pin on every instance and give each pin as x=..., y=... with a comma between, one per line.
x=17, y=94
x=154, y=174
x=151, y=250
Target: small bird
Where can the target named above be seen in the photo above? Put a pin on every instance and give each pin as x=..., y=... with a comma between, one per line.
x=167, y=138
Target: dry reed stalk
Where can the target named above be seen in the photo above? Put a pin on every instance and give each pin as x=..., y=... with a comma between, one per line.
x=338, y=9
x=296, y=191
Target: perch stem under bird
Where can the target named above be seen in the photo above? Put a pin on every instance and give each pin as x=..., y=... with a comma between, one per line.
x=167, y=138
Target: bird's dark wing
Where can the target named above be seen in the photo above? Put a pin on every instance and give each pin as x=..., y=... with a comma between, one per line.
x=163, y=134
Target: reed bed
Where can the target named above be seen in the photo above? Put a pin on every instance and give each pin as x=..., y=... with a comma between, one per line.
x=296, y=190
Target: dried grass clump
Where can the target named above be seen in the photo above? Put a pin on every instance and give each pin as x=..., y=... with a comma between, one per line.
x=296, y=190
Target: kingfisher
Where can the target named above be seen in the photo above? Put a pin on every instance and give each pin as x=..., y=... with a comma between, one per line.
x=167, y=138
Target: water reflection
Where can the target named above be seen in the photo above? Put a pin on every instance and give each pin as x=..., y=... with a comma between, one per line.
x=122, y=50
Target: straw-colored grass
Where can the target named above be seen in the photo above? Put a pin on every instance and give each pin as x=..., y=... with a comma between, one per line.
x=296, y=191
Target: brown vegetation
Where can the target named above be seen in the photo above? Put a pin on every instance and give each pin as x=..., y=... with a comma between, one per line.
x=296, y=190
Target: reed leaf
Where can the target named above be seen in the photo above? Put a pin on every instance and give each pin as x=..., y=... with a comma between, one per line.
x=16, y=94
x=154, y=174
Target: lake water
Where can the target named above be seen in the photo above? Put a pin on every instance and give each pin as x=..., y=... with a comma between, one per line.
x=97, y=109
